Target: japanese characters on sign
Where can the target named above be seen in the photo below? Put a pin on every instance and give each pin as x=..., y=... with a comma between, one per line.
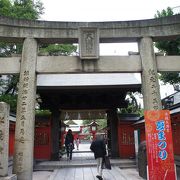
x=162, y=144
x=159, y=145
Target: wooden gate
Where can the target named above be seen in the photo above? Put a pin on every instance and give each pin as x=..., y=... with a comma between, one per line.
x=126, y=141
x=42, y=141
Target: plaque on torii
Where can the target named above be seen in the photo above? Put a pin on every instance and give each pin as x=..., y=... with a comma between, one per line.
x=89, y=43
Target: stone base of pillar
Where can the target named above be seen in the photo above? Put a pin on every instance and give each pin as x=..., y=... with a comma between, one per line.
x=142, y=160
x=11, y=177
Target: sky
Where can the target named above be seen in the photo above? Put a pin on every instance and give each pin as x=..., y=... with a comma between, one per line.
x=108, y=10
x=103, y=10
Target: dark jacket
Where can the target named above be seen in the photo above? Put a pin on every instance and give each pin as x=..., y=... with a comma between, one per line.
x=69, y=139
x=98, y=147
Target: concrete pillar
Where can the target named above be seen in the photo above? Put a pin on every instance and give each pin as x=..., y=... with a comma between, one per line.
x=150, y=84
x=55, y=133
x=25, y=119
x=4, y=138
x=113, y=122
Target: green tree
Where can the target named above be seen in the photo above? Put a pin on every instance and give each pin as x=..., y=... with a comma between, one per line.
x=133, y=106
x=5, y=8
x=11, y=100
x=58, y=49
x=21, y=9
x=171, y=47
x=27, y=9
x=102, y=123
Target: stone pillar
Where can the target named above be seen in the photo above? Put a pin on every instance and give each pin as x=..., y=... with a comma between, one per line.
x=113, y=122
x=25, y=119
x=150, y=84
x=55, y=133
x=4, y=138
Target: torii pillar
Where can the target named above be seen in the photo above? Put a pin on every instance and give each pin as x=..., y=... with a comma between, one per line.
x=25, y=119
x=150, y=84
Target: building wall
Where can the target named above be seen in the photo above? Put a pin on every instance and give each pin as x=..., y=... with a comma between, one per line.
x=42, y=143
x=11, y=138
x=42, y=140
x=175, y=119
x=126, y=139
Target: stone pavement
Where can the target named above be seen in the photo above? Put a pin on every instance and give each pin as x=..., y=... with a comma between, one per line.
x=83, y=167
x=89, y=173
x=82, y=157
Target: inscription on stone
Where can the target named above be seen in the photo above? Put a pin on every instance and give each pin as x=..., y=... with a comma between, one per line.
x=4, y=138
x=153, y=84
x=19, y=157
x=23, y=106
x=89, y=43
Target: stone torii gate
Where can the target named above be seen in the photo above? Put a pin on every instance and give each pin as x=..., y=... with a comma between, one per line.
x=89, y=35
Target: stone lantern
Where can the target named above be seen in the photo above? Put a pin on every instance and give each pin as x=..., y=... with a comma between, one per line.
x=93, y=128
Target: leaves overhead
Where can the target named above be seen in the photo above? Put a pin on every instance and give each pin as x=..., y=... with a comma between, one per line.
x=11, y=100
x=169, y=48
x=59, y=49
x=21, y=9
x=133, y=106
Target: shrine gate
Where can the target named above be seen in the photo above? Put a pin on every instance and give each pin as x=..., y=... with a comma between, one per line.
x=89, y=35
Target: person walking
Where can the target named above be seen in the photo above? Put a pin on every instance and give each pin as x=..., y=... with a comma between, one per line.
x=69, y=143
x=77, y=141
x=98, y=147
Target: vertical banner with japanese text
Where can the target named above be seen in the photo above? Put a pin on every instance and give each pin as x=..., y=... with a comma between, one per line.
x=160, y=154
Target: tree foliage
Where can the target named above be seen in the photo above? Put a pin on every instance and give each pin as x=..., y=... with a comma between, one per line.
x=164, y=13
x=21, y=9
x=11, y=100
x=133, y=106
x=171, y=47
x=59, y=49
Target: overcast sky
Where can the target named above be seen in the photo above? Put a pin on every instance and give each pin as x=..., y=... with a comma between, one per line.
x=106, y=10
x=103, y=10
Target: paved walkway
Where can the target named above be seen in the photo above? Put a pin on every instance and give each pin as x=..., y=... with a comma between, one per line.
x=83, y=167
x=82, y=157
x=89, y=173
